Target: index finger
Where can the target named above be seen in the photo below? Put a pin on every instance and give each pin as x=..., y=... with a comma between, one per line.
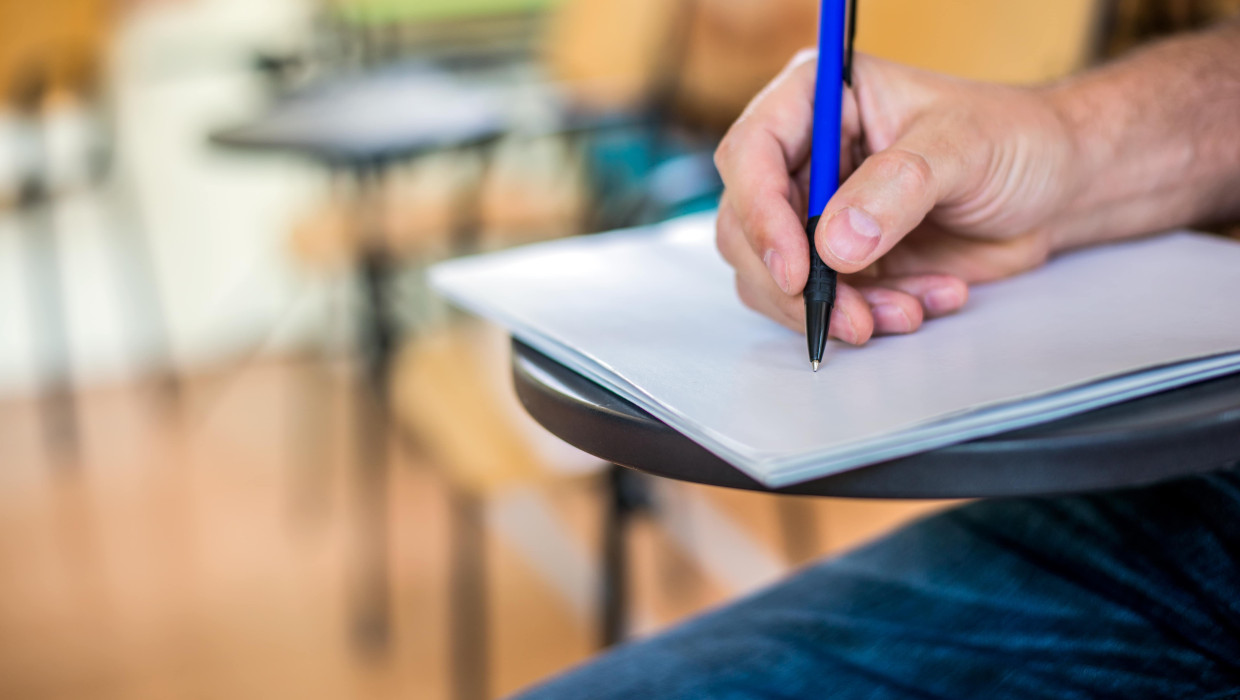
x=757, y=159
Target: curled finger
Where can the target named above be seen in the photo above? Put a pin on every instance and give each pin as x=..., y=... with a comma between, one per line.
x=895, y=312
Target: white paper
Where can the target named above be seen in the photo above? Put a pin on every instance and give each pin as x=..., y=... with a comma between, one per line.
x=652, y=315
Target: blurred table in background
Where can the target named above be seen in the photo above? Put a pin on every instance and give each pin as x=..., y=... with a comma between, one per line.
x=362, y=126
x=395, y=113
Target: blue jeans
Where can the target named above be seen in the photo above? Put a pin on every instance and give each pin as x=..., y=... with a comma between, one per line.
x=1132, y=594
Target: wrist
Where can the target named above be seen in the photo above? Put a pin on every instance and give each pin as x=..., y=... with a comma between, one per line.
x=1087, y=151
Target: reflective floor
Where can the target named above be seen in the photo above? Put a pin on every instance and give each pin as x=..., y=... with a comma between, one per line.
x=206, y=547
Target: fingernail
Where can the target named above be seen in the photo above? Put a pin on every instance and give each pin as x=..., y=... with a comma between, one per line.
x=942, y=301
x=778, y=269
x=892, y=319
x=852, y=235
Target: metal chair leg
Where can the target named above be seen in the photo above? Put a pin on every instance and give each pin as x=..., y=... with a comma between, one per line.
x=798, y=526
x=470, y=644
x=48, y=316
x=137, y=274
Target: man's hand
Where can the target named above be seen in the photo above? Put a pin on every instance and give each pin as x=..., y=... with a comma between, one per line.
x=949, y=183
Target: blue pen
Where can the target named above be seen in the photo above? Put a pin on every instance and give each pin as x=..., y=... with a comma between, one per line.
x=834, y=69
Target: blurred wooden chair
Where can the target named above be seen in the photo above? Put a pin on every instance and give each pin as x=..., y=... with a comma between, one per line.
x=53, y=56
x=453, y=393
x=64, y=39
x=452, y=396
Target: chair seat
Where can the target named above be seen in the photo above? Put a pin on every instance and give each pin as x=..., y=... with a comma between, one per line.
x=453, y=392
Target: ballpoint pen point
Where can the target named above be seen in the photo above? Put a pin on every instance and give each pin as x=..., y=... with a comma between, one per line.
x=814, y=364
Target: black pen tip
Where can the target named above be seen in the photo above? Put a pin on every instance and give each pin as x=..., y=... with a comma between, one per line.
x=818, y=325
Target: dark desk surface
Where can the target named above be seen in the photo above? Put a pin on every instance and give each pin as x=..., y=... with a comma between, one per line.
x=390, y=113
x=1185, y=431
x=405, y=110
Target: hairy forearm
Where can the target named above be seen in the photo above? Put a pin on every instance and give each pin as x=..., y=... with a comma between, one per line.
x=1157, y=140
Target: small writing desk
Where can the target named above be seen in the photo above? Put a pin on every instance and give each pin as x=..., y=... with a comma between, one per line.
x=1186, y=431
x=360, y=125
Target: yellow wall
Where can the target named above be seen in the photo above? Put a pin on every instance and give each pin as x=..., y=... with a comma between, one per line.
x=998, y=40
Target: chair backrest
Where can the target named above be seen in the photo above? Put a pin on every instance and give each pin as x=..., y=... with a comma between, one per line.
x=452, y=395
x=734, y=47
x=612, y=52
x=57, y=43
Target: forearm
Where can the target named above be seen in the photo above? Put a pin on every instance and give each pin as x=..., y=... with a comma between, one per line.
x=1157, y=140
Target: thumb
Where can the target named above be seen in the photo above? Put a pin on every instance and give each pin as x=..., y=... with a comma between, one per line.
x=886, y=198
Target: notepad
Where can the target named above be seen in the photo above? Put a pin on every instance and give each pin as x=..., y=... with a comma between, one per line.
x=652, y=315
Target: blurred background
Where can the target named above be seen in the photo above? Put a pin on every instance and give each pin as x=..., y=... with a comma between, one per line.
x=244, y=453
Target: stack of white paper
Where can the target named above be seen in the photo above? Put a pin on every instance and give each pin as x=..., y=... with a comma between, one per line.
x=652, y=315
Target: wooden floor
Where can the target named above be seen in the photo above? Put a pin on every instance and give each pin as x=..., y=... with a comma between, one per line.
x=208, y=547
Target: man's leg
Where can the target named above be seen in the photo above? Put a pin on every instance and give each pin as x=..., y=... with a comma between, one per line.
x=1133, y=594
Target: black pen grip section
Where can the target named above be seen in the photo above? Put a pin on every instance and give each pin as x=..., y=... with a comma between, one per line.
x=821, y=285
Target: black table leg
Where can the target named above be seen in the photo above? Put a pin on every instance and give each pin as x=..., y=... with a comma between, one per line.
x=626, y=494
x=378, y=337
x=372, y=613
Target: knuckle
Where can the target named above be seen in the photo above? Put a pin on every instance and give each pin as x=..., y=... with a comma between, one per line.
x=726, y=152
x=720, y=244
x=746, y=295
x=725, y=242
x=908, y=168
x=722, y=151
x=756, y=229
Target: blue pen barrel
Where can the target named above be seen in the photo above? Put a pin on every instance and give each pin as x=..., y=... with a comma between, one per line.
x=824, y=174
